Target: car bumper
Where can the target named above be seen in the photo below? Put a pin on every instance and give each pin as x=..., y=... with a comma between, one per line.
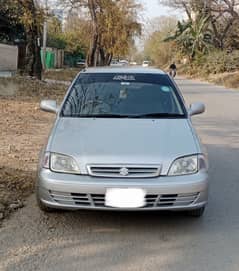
x=65, y=191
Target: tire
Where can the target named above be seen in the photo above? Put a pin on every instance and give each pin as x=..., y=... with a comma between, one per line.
x=196, y=212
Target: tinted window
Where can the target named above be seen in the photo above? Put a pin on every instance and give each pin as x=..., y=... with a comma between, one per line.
x=122, y=94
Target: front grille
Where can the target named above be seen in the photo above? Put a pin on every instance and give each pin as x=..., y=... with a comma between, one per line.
x=98, y=200
x=166, y=200
x=71, y=198
x=124, y=171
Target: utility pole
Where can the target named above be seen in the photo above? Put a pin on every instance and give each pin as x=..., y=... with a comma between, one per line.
x=44, y=39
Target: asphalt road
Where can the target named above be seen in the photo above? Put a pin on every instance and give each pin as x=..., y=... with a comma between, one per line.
x=92, y=241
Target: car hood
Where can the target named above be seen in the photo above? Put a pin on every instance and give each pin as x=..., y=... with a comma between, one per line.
x=123, y=141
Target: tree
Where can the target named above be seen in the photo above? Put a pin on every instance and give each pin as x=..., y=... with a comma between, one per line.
x=118, y=27
x=22, y=20
x=55, y=36
x=193, y=37
x=11, y=28
x=32, y=18
x=192, y=8
x=223, y=15
x=113, y=25
x=155, y=49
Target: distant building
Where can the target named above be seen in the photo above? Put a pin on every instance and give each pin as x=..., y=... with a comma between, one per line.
x=8, y=59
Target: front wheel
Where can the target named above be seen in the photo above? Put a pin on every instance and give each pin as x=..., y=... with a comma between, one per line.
x=196, y=212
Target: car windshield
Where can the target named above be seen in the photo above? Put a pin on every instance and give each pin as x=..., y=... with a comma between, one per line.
x=123, y=95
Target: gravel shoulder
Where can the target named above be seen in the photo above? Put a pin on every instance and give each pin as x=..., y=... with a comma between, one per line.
x=24, y=129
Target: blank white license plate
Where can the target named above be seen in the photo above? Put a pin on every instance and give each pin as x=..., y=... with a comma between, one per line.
x=125, y=197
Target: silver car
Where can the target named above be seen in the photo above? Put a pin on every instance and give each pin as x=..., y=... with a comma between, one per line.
x=123, y=140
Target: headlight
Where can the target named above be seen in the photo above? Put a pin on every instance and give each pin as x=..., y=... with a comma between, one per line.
x=63, y=163
x=184, y=166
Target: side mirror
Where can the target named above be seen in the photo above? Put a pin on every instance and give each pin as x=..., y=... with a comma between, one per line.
x=49, y=106
x=196, y=109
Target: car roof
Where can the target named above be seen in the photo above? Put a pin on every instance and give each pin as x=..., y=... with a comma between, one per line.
x=123, y=70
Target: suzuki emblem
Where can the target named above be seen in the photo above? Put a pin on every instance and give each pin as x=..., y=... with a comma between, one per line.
x=124, y=171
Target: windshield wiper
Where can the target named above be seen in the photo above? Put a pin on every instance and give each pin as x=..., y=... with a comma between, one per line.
x=119, y=116
x=160, y=115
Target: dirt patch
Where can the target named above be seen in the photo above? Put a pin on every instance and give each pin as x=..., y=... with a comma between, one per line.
x=15, y=185
x=62, y=74
x=229, y=80
x=24, y=130
x=7, y=87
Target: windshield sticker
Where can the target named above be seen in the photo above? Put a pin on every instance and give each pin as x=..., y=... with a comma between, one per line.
x=124, y=78
x=165, y=88
x=123, y=94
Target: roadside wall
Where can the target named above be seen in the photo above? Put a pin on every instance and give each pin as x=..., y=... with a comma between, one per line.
x=59, y=58
x=54, y=58
x=8, y=57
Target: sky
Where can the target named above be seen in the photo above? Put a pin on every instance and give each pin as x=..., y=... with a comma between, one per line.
x=153, y=9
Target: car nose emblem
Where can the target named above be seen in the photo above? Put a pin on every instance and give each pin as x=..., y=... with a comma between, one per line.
x=124, y=171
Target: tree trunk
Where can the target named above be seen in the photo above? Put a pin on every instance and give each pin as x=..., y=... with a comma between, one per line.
x=91, y=57
x=108, y=59
x=33, y=65
x=105, y=58
x=102, y=57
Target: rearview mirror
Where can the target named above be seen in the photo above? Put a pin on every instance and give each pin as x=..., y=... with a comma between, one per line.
x=49, y=106
x=196, y=108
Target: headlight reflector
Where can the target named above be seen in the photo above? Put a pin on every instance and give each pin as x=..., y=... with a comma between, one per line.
x=45, y=162
x=202, y=162
x=184, y=166
x=63, y=163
